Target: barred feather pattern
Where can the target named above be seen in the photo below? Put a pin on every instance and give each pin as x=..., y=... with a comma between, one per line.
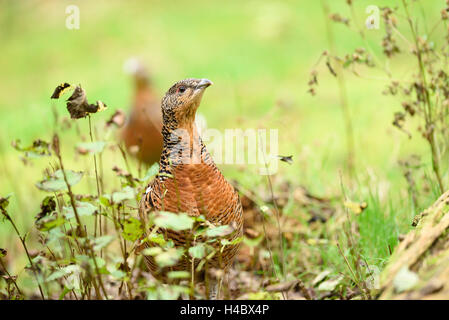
x=196, y=188
x=204, y=192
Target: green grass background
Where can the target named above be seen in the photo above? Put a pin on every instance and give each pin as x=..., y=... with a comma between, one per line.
x=258, y=54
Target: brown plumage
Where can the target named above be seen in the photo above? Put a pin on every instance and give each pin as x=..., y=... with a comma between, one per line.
x=188, y=179
x=142, y=130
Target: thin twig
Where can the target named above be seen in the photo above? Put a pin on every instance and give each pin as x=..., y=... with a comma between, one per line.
x=270, y=186
x=343, y=97
x=96, y=179
x=22, y=240
x=428, y=115
x=10, y=277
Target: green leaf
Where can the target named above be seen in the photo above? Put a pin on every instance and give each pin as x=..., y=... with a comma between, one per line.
x=152, y=171
x=55, y=235
x=83, y=209
x=226, y=242
x=63, y=272
x=49, y=223
x=3, y=252
x=253, y=242
x=102, y=242
x=56, y=275
x=173, y=221
x=171, y=292
x=126, y=194
x=132, y=229
x=169, y=258
x=219, y=231
x=262, y=295
x=101, y=264
x=105, y=200
x=56, y=181
x=91, y=147
x=178, y=275
x=199, y=218
x=64, y=292
x=157, y=238
x=152, y=251
x=81, y=258
x=198, y=251
x=118, y=274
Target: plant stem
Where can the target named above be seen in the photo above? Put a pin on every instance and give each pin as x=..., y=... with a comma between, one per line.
x=10, y=277
x=281, y=241
x=96, y=179
x=427, y=115
x=350, y=157
x=72, y=198
x=22, y=240
x=355, y=278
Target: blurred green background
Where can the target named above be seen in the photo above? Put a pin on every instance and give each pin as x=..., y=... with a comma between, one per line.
x=259, y=55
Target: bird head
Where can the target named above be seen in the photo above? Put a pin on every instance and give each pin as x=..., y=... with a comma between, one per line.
x=181, y=101
x=135, y=67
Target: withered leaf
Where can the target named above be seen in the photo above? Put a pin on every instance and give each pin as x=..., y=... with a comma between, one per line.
x=4, y=202
x=118, y=119
x=39, y=148
x=282, y=286
x=9, y=279
x=77, y=103
x=330, y=285
x=356, y=207
x=79, y=107
x=331, y=69
x=124, y=174
x=48, y=206
x=90, y=147
x=60, y=90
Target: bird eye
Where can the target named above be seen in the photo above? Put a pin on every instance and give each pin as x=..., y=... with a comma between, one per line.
x=181, y=89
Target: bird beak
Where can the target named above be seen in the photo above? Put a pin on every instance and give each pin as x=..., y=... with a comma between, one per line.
x=204, y=83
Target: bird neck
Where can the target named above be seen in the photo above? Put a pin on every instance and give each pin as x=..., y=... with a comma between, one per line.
x=142, y=82
x=182, y=146
x=182, y=139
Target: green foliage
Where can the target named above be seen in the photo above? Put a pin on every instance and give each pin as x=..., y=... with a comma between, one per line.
x=100, y=243
x=91, y=147
x=169, y=257
x=219, y=231
x=83, y=208
x=198, y=251
x=65, y=271
x=38, y=149
x=127, y=193
x=174, y=221
x=151, y=172
x=178, y=275
x=56, y=182
x=132, y=229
